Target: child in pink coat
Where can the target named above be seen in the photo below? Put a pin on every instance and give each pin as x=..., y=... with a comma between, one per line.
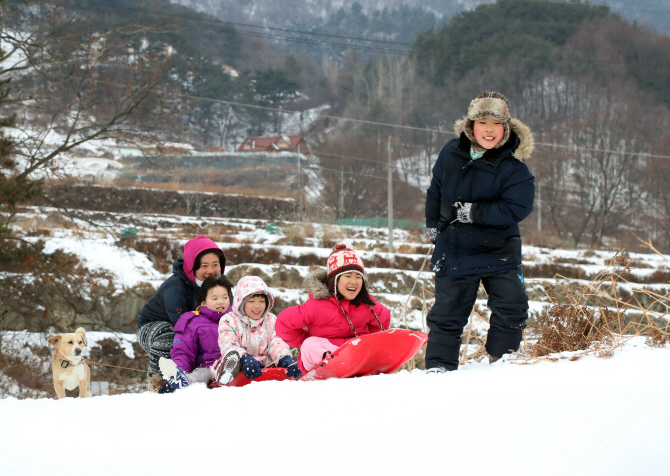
x=247, y=334
x=339, y=308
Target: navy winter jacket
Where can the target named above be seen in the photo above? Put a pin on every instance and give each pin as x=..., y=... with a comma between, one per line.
x=177, y=295
x=501, y=189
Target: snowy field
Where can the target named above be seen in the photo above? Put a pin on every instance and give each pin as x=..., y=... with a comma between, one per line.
x=593, y=416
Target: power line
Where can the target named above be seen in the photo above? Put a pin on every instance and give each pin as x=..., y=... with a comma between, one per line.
x=199, y=21
x=422, y=129
x=397, y=126
x=248, y=25
x=260, y=35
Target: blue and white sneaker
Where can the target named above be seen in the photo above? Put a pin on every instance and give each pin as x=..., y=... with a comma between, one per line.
x=174, y=376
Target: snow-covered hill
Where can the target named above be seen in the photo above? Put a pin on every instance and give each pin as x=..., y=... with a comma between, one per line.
x=587, y=417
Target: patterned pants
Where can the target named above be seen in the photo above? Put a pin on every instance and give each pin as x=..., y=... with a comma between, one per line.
x=157, y=339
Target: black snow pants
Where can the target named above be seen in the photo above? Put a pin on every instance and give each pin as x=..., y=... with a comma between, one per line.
x=454, y=300
x=156, y=338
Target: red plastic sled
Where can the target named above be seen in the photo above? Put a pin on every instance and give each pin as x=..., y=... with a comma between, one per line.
x=370, y=354
x=274, y=373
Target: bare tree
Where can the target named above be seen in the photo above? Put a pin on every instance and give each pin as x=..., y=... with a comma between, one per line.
x=71, y=86
x=353, y=176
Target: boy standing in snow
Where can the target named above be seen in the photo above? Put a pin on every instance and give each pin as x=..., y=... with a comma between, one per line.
x=481, y=189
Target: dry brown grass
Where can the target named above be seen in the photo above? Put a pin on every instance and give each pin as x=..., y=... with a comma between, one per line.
x=588, y=318
x=161, y=252
x=568, y=324
x=277, y=192
x=296, y=234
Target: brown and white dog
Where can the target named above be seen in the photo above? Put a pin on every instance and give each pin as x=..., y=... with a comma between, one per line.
x=69, y=368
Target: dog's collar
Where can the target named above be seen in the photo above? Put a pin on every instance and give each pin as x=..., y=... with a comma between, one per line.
x=66, y=363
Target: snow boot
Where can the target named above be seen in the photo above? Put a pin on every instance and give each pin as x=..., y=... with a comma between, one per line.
x=436, y=370
x=228, y=368
x=165, y=388
x=154, y=381
x=175, y=377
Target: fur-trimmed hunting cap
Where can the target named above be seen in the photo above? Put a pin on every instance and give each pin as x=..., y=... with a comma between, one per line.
x=343, y=259
x=487, y=104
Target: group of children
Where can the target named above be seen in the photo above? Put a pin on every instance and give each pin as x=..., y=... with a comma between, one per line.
x=218, y=340
x=480, y=190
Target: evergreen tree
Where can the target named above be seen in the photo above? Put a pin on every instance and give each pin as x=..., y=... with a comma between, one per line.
x=508, y=31
x=15, y=186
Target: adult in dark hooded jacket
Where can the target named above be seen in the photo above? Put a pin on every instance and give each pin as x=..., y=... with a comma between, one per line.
x=177, y=295
x=481, y=189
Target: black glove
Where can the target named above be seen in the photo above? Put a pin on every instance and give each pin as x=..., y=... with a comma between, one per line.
x=432, y=234
x=464, y=214
x=291, y=366
x=251, y=368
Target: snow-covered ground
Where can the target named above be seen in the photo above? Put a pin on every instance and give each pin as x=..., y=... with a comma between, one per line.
x=593, y=416
x=129, y=267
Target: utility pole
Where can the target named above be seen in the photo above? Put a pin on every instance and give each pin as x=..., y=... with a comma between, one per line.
x=341, y=190
x=539, y=209
x=301, y=203
x=390, y=197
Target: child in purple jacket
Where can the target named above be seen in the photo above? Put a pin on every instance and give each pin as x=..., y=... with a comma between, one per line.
x=195, y=353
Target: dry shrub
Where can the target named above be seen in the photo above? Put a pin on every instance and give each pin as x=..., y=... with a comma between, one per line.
x=32, y=374
x=549, y=270
x=657, y=338
x=331, y=236
x=397, y=262
x=569, y=324
x=296, y=234
x=310, y=259
x=283, y=277
x=658, y=276
x=109, y=352
x=223, y=232
x=161, y=252
x=250, y=254
x=572, y=328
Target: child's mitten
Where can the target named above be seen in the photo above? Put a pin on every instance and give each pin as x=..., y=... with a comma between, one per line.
x=464, y=214
x=291, y=365
x=251, y=368
x=432, y=234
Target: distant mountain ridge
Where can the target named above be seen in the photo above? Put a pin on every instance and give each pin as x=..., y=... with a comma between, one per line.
x=655, y=13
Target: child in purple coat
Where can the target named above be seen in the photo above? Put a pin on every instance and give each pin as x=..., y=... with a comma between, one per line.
x=195, y=353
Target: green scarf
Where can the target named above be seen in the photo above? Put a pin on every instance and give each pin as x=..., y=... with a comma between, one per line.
x=474, y=155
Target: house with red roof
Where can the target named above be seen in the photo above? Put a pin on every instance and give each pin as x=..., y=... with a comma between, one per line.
x=274, y=144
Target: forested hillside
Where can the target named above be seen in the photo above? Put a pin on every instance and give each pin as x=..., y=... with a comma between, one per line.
x=592, y=86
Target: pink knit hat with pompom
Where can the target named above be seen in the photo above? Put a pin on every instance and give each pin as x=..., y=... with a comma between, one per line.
x=343, y=259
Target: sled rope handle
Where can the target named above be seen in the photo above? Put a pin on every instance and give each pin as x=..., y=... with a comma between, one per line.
x=404, y=308
x=351, y=325
x=93, y=364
